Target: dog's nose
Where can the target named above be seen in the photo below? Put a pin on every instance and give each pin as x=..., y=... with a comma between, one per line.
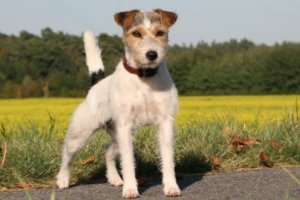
x=151, y=55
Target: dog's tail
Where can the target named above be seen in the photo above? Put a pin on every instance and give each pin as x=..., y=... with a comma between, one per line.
x=93, y=57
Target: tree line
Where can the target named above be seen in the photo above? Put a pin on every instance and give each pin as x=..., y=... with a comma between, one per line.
x=53, y=64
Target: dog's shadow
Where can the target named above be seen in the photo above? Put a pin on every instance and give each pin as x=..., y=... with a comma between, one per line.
x=190, y=164
x=148, y=174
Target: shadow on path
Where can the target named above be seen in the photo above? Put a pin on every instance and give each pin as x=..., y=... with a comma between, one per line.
x=150, y=171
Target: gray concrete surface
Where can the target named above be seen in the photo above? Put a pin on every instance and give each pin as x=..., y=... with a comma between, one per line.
x=258, y=184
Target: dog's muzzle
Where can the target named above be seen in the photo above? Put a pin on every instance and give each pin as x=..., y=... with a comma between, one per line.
x=141, y=72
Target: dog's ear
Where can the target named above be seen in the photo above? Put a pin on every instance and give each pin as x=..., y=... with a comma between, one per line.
x=125, y=19
x=167, y=18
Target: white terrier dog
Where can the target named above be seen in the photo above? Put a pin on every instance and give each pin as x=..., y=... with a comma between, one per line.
x=139, y=92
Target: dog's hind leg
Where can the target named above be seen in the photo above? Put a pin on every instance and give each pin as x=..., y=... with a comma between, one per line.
x=81, y=128
x=111, y=152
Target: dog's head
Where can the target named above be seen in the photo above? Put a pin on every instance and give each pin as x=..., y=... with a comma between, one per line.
x=146, y=35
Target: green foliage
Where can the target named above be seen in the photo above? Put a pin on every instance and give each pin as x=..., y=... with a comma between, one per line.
x=53, y=64
x=33, y=153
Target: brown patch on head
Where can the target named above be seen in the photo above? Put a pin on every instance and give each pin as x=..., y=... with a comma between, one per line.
x=126, y=19
x=167, y=18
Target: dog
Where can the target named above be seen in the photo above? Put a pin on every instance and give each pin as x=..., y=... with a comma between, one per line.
x=139, y=92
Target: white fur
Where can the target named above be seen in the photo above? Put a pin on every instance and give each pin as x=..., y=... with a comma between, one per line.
x=147, y=21
x=128, y=102
x=93, y=52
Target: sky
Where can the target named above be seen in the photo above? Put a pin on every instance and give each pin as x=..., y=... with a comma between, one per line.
x=261, y=21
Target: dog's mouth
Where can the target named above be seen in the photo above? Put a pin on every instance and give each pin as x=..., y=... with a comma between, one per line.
x=154, y=62
x=143, y=61
x=150, y=64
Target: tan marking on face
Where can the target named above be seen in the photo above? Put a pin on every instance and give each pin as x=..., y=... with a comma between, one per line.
x=148, y=40
x=161, y=39
x=132, y=43
x=140, y=29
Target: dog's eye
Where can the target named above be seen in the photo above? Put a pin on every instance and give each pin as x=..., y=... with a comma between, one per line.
x=136, y=34
x=159, y=33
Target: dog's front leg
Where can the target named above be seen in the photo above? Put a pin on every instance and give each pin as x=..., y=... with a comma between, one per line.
x=124, y=139
x=165, y=136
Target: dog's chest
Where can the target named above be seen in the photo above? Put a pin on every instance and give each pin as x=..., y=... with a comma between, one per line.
x=142, y=102
x=147, y=108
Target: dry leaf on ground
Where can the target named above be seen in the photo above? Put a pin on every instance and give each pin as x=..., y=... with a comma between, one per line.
x=24, y=185
x=240, y=144
x=265, y=159
x=216, y=162
x=251, y=141
x=237, y=143
x=89, y=160
x=235, y=139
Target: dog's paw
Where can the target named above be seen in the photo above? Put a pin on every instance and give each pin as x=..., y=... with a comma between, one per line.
x=62, y=183
x=115, y=181
x=130, y=193
x=172, y=191
x=63, y=180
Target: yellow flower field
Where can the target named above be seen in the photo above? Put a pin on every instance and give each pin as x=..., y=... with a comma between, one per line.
x=244, y=109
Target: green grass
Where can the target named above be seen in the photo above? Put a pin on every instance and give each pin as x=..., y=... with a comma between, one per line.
x=33, y=151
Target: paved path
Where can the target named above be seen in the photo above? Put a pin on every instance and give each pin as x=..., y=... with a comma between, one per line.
x=280, y=183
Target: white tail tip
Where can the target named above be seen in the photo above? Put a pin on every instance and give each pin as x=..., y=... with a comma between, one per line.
x=93, y=52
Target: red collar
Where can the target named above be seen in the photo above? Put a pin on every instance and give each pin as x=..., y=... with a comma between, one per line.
x=141, y=72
